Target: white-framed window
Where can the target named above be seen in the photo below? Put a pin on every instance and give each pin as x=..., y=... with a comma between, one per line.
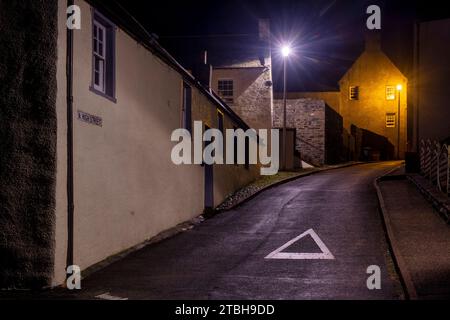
x=353, y=93
x=391, y=119
x=226, y=90
x=99, y=52
x=103, y=56
x=390, y=92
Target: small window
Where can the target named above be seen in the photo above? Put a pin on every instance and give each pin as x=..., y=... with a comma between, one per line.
x=187, y=107
x=225, y=88
x=390, y=93
x=353, y=93
x=390, y=120
x=103, y=56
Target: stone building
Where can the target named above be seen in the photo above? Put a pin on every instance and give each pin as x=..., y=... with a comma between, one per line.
x=244, y=81
x=367, y=104
x=85, y=123
x=370, y=99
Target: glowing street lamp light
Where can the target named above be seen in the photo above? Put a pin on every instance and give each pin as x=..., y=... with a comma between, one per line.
x=285, y=51
x=399, y=90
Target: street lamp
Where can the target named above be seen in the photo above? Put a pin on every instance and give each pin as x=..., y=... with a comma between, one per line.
x=399, y=90
x=285, y=51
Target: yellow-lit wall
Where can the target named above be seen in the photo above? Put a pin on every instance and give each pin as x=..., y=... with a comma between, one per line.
x=372, y=72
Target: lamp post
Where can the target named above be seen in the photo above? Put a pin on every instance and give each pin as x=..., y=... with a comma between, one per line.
x=399, y=90
x=285, y=51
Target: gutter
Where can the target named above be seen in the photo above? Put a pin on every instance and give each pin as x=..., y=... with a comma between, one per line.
x=70, y=184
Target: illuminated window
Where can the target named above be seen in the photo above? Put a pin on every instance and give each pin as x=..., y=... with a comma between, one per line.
x=390, y=120
x=353, y=93
x=390, y=92
x=225, y=88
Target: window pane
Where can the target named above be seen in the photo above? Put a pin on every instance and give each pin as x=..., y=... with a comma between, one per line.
x=353, y=93
x=225, y=90
x=96, y=78
x=101, y=72
x=103, y=56
x=390, y=120
x=390, y=93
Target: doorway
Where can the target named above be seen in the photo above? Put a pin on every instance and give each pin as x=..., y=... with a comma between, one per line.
x=209, y=183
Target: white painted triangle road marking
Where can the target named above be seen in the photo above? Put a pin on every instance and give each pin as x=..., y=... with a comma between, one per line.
x=325, y=254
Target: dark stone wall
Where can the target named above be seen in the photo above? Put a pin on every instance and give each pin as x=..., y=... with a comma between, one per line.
x=28, y=37
x=370, y=146
x=334, y=149
x=434, y=80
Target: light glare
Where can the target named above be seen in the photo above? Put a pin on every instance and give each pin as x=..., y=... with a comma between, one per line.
x=285, y=51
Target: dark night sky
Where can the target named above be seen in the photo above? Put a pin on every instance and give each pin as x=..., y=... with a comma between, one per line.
x=328, y=35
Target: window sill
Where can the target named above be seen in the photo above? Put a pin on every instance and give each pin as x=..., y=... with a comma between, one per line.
x=104, y=95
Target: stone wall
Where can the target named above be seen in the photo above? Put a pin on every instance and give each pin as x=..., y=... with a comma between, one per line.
x=334, y=147
x=252, y=93
x=331, y=98
x=28, y=34
x=307, y=116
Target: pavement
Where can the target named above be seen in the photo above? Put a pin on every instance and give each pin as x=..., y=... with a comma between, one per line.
x=225, y=257
x=422, y=239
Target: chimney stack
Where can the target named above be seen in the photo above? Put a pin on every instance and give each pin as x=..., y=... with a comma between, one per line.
x=202, y=70
x=264, y=41
x=373, y=40
x=264, y=29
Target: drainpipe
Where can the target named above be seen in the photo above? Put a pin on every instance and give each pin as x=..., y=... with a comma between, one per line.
x=70, y=202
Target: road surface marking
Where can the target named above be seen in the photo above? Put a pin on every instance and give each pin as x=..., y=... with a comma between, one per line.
x=325, y=255
x=107, y=296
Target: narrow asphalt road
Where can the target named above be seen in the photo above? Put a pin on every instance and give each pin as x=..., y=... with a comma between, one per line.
x=225, y=257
